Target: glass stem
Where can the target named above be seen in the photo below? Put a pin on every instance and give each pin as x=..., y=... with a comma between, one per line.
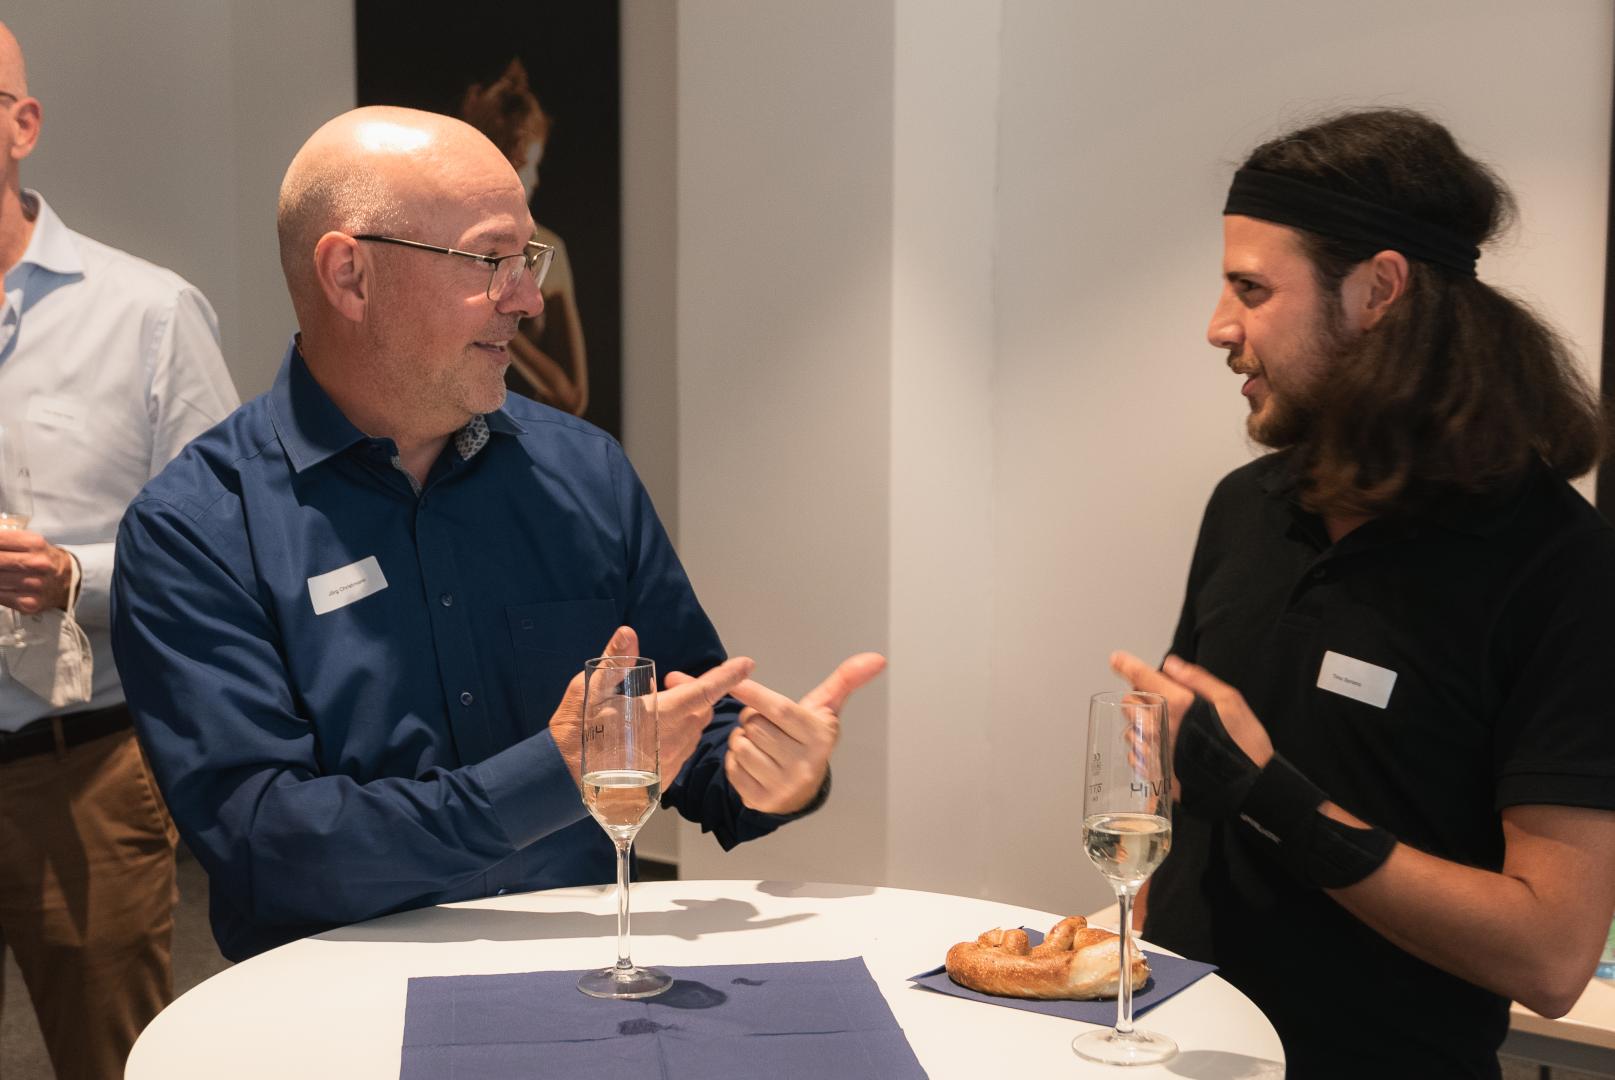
x=1124, y=988
x=624, y=964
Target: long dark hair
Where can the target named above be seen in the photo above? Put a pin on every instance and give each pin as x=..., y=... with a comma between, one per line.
x=1459, y=386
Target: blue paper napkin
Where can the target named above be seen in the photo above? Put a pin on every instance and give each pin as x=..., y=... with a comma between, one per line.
x=1168, y=975
x=724, y=1022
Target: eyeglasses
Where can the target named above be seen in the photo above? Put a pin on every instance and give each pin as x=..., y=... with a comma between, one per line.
x=507, y=269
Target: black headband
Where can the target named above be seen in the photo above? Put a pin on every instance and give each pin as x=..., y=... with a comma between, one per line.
x=1288, y=201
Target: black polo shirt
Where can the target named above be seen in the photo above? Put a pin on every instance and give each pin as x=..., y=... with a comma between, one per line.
x=1494, y=614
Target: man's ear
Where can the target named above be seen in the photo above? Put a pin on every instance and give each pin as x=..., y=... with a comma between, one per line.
x=26, y=117
x=344, y=275
x=1373, y=286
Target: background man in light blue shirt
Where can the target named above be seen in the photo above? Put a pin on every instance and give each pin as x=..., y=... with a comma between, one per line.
x=108, y=366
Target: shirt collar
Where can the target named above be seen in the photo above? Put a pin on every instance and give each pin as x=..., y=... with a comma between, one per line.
x=1474, y=513
x=312, y=429
x=51, y=247
x=310, y=426
x=1481, y=513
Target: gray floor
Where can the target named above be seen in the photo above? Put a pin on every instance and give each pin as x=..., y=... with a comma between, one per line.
x=22, y=1054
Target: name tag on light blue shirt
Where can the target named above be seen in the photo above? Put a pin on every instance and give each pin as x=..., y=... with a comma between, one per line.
x=344, y=586
x=1356, y=679
x=56, y=412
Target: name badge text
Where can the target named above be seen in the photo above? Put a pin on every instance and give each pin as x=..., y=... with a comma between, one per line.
x=339, y=588
x=56, y=412
x=1356, y=679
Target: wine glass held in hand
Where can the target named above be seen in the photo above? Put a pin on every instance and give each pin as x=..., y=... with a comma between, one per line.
x=621, y=788
x=16, y=508
x=1127, y=829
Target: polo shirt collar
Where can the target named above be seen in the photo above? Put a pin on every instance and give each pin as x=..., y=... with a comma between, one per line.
x=1475, y=514
x=1483, y=513
x=51, y=247
x=310, y=426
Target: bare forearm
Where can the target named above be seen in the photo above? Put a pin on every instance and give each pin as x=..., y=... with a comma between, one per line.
x=1484, y=927
x=1532, y=936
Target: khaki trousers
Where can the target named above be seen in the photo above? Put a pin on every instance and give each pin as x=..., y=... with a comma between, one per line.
x=87, y=896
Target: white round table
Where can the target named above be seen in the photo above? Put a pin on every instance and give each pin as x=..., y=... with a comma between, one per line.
x=333, y=1005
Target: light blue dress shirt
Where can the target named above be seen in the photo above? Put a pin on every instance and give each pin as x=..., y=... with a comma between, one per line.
x=109, y=365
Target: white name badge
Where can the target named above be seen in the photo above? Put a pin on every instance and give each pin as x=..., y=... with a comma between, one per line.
x=1356, y=679
x=56, y=412
x=342, y=587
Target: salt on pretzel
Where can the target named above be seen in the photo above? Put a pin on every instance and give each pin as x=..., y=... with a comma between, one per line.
x=1075, y=961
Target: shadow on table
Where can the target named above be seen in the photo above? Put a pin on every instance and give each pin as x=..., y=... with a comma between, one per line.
x=446, y=924
x=1223, y=1065
x=813, y=890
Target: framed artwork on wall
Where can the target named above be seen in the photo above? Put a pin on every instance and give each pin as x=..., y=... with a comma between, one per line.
x=541, y=80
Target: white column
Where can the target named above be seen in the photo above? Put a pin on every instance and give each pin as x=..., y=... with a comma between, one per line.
x=943, y=808
x=784, y=359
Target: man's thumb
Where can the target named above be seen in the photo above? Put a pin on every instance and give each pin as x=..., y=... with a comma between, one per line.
x=624, y=642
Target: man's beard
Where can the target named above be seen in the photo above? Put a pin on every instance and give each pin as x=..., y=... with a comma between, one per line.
x=1291, y=414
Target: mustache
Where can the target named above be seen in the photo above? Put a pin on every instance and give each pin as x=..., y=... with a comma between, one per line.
x=1239, y=365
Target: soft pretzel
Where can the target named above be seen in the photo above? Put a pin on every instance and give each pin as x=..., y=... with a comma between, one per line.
x=1075, y=961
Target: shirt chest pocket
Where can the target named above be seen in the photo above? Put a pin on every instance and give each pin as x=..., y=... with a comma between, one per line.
x=551, y=643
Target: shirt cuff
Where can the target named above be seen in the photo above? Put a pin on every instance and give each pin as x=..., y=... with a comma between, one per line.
x=92, y=591
x=530, y=789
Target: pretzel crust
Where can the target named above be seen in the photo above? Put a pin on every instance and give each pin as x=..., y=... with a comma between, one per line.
x=1076, y=961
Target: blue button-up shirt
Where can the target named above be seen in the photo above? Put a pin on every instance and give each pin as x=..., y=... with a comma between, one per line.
x=330, y=759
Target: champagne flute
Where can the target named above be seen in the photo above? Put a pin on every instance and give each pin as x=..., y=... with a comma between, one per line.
x=16, y=508
x=621, y=787
x=1127, y=829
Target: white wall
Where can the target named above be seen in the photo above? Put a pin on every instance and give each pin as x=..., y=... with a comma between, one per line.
x=167, y=127
x=940, y=821
x=784, y=345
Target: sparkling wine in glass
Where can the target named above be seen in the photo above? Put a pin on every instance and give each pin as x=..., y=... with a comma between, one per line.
x=1127, y=830
x=621, y=788
x=16, y=509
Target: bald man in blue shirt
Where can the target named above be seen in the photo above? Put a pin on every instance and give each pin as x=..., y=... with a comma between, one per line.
x=346, y=617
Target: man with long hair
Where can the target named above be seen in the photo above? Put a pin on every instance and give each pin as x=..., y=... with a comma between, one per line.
x=1395, y=762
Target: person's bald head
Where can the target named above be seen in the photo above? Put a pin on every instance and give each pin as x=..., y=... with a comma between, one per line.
x=379, y=169
x=13, y=72
x=409, y=343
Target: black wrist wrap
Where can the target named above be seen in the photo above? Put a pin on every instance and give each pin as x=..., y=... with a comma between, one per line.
x=1212, y=772
x=1216, y=779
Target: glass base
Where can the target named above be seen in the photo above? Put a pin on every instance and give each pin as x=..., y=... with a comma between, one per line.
x=625, y=983
x=1111, y=1047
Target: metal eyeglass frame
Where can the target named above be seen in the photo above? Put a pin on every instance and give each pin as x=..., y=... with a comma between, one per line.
x=536, y=253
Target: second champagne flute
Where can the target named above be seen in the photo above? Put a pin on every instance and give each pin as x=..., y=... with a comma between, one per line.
x=1127, y=829
x=621, y=787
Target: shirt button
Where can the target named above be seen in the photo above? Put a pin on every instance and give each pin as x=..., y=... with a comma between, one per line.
x=466, y=698
x=447, y=599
